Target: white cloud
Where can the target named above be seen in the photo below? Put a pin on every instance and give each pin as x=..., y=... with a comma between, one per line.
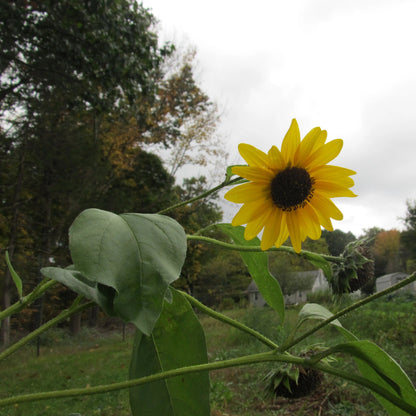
x=346, y=66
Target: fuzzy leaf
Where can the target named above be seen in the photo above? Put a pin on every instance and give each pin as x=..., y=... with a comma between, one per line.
x=130, y=259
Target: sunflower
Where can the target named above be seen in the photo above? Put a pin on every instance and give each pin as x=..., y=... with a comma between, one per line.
x=289, y=191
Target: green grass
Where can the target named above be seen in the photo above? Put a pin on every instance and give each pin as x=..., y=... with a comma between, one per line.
x=95, y=361
x=100, y=358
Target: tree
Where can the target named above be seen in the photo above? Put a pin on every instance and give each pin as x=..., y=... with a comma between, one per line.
x=387, y=252
x=72, y=74
x=194, y=217
x=223, y=277
x=96, y=53
x=408, y=236
x=337, y=240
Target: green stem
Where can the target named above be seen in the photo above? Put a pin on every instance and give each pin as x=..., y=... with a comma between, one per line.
x=27, y=300
x=203, y=195
x=217, y=365
x=285, y=249
x=348, y=309
x=229, y=321
x=75, y=308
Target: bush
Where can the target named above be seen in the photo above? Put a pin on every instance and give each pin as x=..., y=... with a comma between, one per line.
x=320, y=296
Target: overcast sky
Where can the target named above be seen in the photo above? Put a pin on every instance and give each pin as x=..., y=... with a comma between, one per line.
x=347, y=66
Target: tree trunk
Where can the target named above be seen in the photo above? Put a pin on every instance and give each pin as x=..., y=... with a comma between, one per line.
x=7, y=286
x=75, y=324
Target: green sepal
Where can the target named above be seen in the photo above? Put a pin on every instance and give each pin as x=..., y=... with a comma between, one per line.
x=16, y=278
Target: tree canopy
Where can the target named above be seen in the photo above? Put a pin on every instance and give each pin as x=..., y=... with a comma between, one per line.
x=86, y=90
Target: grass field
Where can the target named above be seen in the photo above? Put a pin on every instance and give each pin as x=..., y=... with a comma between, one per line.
x=100, y=358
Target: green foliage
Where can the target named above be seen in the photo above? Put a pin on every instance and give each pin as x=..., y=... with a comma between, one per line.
x=408, y=236
x=96, y=52
x=320, y=296
x=127, y=264
x=337, y=240
x=220, y=394
x=222, y=280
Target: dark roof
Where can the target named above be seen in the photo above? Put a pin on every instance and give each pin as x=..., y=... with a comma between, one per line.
x=252, y=287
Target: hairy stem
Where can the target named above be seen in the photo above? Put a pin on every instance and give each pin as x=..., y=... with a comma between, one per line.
x=229, y=321
x=217, y=365
x=285, y=249
x=203, y=195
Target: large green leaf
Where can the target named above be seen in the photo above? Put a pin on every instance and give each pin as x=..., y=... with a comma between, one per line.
x=176, y=341
x=377, y=366
x=130, y=259
x=257, y=265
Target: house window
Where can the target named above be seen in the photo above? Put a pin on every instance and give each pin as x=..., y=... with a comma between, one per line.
x=256, y=296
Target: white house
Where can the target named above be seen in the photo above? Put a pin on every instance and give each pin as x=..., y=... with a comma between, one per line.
x=388, y=280
x=316, y=277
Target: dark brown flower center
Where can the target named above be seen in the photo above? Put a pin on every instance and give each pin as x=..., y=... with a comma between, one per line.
x=292, y=188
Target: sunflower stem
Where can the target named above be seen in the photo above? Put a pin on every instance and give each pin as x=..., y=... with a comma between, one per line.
x=217, y=365
x=37, y=292
x=227, y=182
x=285, y=249
x=229, y=321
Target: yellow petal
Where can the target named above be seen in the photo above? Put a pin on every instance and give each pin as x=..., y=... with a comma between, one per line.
x=284, y=233
x=306, y=146
x=331, y=172
x=291, y=142
x=346, y=182
x=276, y=160
x=310, y=222
x=324, y=219
x=332, y=189
x=250, y=211
x=292, y=221
x=252, y=155
x=324, y=154
x=324, y=207
x=253, y=173
x=272, y=228
x=254, y=227
x=248, y=192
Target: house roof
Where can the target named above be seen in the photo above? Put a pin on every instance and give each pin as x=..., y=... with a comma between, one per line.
x=397, y=276
x=252, y=287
